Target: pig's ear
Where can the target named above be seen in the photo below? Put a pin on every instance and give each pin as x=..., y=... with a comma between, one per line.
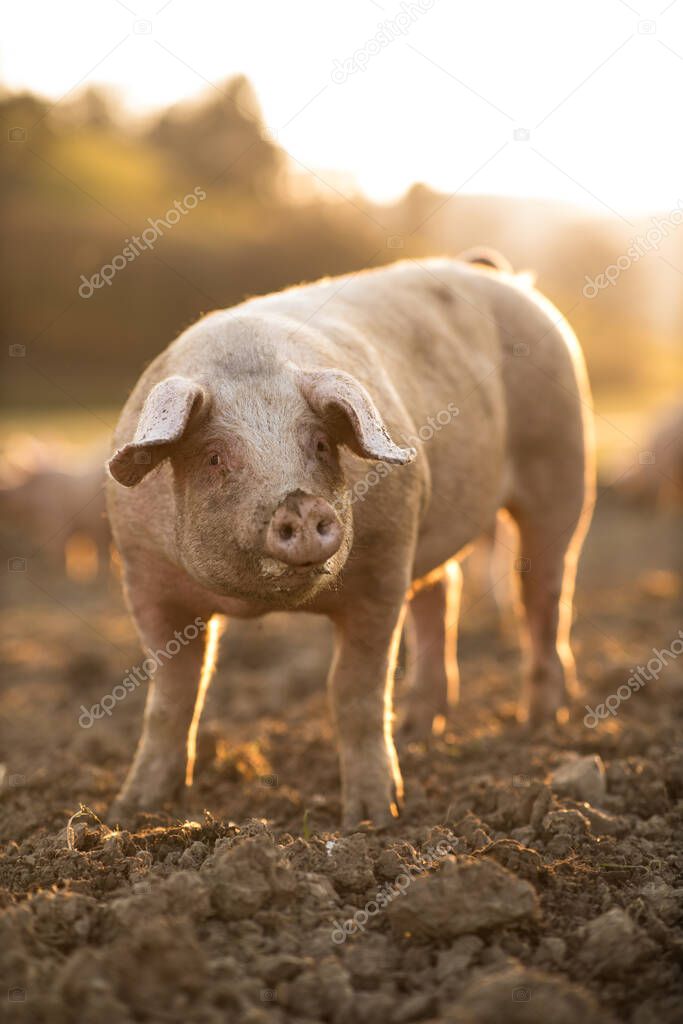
x=337, y=396
x=163, y=421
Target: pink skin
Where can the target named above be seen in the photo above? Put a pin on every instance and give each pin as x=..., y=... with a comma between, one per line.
x=247, y=479
x=257, y=527
x=303, y=532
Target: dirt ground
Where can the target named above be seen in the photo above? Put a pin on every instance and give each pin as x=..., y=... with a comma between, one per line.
x=497, y=896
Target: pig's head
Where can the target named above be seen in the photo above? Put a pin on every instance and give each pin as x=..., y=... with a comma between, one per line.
x=263, y=511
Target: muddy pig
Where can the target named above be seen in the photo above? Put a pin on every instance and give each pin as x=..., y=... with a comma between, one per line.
x=326, y=449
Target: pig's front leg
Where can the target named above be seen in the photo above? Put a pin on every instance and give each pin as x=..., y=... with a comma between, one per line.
x=157, y=774
x=361, y=690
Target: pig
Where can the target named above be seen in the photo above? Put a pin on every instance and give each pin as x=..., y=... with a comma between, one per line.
x=47, y=506
x=657, y=479
x=328, y=449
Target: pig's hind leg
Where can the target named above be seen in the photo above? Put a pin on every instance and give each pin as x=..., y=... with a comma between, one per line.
x=552, y=521
x=177, y=636
x=432, y=653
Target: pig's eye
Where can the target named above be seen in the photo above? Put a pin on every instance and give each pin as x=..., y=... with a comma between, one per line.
x=214, y=459
x=321, y=446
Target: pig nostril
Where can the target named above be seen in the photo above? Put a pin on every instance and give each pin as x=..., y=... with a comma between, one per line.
x=303, y=533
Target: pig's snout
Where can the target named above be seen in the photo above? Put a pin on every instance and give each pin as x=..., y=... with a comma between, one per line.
x=303, y=531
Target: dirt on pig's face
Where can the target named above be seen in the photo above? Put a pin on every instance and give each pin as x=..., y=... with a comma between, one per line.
x=258, y=445
x=261, y=508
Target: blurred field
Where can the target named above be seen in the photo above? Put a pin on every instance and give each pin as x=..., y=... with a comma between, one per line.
x=83, y=179
x=93, y=922
x=621, y=429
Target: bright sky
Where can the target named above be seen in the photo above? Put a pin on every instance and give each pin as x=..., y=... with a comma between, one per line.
x=597, y=83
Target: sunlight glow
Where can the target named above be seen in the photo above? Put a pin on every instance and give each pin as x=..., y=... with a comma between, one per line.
x=570, y=100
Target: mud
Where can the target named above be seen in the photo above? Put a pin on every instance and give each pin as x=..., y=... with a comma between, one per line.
x=530, y=878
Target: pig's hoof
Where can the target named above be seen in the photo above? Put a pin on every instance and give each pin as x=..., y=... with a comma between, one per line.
x=547, y=694
x=421, y=726
x=121, y=814
x=152, y=783
x=381, y=808
x=127, y=806
x=537, y=713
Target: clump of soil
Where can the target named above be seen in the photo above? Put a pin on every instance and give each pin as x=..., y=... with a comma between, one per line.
x=530, y=877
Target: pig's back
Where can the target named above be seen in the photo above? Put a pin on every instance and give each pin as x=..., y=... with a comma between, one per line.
x=485, y=368
x=431, y=326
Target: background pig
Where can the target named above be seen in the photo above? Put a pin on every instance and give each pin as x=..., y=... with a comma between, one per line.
x=329, y=447
x=657, y=480
x=46, y=502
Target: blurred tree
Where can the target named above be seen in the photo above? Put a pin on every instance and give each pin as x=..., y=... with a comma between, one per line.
x=94, y=108
x=221, y=141
x=24, y=122
x=77, y=179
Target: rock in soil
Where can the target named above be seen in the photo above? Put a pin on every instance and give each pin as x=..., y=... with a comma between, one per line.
x=462, y=897
x=612, y=944
x=518, y=995
x=583, y=778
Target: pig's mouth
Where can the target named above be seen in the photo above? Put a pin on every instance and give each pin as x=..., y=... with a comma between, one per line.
x=288, y=577
x=251, y=576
